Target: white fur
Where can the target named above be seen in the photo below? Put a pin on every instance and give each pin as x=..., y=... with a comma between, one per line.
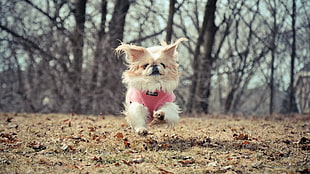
x=171, y=111
x=155, y=51
x=136, y=115
x=150, y=83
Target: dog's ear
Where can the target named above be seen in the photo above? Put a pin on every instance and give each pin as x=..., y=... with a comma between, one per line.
x=169, y=50
x=134, y=53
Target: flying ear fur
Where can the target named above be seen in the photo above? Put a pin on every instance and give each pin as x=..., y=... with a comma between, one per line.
x=133, y=52
x=169, y=50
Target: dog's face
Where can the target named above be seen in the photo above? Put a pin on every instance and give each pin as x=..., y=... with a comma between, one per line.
x=151, y=65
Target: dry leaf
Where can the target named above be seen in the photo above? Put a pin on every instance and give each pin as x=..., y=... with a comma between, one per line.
x=305, y=147
x=304, y=140
x=36, y=146
x=246, y=142
x=11, y=126
x=9, y=119
x=11, y=137
x=92, y=129
x=126, y=143
x=66, y=120
x=44, y=161
x=138, y=160
x=64, y=147
x=187, y=162
x=117, y=164
x=98, y=159
x=241, y=137
x=127, y=163
x=119, y=135
x=124, y=125
x=163, y=171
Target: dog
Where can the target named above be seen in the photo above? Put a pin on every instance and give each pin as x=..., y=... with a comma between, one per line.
x=151, y=78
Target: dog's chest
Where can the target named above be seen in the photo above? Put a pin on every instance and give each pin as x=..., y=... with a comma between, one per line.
x=152, y=100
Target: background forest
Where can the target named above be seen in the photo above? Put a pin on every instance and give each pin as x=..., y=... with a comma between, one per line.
x=242, y=57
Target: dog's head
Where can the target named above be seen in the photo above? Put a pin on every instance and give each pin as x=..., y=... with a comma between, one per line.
x=152, y=66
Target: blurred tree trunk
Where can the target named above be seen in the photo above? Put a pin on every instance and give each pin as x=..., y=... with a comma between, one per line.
x=273, y=52
x=117, y=24
x=202, y=65
x=97, y=57
x=111, y=87
x=292, y=103
x=271, y=83
x=229, y=99
x=78, y=43
x=21, y=90
x=169, y=28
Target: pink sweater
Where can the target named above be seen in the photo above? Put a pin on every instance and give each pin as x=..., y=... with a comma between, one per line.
x=152, y=100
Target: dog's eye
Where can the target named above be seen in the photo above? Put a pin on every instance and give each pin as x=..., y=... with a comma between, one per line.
x=144, y=66
x=163, y=65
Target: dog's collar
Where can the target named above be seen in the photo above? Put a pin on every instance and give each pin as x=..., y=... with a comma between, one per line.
x=151, y=93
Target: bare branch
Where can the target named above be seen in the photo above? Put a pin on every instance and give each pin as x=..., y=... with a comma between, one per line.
x=27, y=42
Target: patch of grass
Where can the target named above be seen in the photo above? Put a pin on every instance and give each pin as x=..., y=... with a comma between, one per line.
x=63, y=143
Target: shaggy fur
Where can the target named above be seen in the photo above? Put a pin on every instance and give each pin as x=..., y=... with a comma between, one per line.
x=153, y=70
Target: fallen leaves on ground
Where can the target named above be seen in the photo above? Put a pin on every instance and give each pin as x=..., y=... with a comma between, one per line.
x=60, y=143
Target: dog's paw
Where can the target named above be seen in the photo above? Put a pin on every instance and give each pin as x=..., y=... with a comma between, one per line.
x=158, y=117
x=142, y=131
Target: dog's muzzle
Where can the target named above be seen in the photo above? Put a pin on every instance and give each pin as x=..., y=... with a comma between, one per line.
x=155, y=70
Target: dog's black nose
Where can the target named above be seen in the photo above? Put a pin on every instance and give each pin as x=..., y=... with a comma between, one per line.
x=155, y=70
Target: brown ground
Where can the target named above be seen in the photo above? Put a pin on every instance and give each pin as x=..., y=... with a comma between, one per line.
x=57, y=143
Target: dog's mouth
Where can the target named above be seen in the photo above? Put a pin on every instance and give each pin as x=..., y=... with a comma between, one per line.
x=155, y=71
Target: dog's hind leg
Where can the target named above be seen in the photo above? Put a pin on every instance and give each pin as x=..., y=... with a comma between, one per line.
x=136, y=116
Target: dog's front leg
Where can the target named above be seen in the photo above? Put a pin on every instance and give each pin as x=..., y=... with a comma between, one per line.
x=136, y=116
x=168, y=113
